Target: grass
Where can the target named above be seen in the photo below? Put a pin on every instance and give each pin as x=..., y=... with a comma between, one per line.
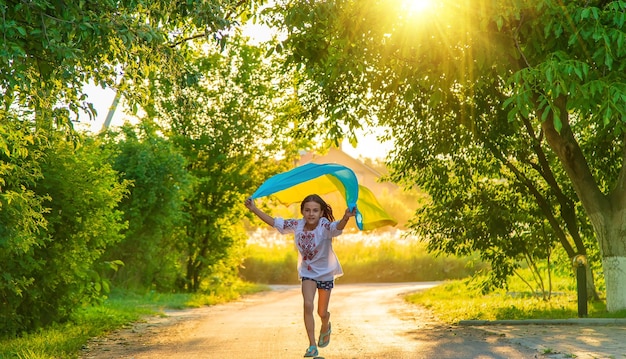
x=122, y=308
x=365, y=258
x=459, y=300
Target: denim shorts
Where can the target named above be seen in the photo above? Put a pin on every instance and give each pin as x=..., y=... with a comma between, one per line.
x=322, y=284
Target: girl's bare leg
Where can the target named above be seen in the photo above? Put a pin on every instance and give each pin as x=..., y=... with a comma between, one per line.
x=322, y=308
x=309, y=288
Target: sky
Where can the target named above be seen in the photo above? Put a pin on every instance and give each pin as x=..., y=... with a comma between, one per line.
x=368, y=146
x=102, y=99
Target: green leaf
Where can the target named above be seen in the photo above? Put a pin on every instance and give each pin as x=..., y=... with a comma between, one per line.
x=544, y=115
x=608, y=113
x=584, y=14
x=578, y=72
x=608, y=60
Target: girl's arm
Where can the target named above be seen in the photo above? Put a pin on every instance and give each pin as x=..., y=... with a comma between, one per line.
x=262, y=215
x=346, y=217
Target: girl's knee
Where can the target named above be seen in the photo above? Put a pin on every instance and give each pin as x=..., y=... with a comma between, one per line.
x=323, y=313
x=308, y=306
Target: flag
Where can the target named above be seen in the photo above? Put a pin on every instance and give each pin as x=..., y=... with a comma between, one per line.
x=312, y=178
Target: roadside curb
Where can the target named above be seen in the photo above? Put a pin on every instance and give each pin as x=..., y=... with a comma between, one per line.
x=572, y=321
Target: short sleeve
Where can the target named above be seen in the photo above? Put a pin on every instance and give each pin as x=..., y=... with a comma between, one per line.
x=333, y=229
x=285, y=226
x=330, y=227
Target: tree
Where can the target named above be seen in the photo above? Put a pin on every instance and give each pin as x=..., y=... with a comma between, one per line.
x=539, y=61
x=52, y=49
x=158, y=182
x=220, y=113
x=477, y=206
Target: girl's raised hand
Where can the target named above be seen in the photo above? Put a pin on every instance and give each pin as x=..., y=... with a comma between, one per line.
x=249, y=203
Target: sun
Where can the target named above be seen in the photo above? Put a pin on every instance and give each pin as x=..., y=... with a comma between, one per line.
x=416, y=6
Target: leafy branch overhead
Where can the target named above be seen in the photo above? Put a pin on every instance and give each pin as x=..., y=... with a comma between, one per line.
x=539, y=85
x=51, y=50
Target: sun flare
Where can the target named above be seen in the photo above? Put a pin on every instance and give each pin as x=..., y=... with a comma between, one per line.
x=417, y=6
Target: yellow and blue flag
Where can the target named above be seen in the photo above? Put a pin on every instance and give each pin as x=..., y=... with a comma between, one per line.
x=292, y=186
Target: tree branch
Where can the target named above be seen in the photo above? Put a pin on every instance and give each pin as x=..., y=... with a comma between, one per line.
x=193, y=37
x=568, y=210
x=566, y=147
x=227, y=16
x=542, y=202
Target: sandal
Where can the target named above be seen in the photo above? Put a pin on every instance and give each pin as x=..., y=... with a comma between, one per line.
x=324, y=338
x=311, y=352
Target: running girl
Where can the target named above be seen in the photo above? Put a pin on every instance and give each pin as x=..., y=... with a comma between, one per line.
x=318, y=265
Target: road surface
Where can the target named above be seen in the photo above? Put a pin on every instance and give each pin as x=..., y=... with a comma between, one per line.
x=368, y=321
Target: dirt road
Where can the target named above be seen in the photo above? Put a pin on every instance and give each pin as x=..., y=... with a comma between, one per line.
x=369, y=321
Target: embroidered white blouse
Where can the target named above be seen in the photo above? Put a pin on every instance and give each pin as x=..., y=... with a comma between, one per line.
x=316, y=257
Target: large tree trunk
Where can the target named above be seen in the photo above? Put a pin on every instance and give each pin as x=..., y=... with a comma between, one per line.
x=607, y=212
x=615, y=277
x=610, y=229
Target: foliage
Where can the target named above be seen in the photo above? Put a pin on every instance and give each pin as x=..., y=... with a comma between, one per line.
x=118, y=44
x=219, y=114
x=270, y=264
x=153, y=207
x=50, y=260
x=473, y=212
x=393, y=259
x=21, y=219
x=516, y=79
x=82, y=221
x=58, y=195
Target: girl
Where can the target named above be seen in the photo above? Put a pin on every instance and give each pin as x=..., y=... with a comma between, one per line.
x=318, y=265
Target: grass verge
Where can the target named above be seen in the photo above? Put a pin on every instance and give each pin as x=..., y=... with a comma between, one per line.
x=122, y=308
x=459, y=300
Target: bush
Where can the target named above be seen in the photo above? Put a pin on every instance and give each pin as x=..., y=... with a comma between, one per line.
x=270, y=265
x=153, y=208
x=21, y=219
x=51, y=271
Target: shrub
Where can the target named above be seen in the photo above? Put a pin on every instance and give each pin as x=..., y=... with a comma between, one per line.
x=50, y=270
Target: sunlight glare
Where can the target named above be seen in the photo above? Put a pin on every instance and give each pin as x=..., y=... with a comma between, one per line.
x=416, y=6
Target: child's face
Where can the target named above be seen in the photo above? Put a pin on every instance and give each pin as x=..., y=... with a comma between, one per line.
x=312, y=212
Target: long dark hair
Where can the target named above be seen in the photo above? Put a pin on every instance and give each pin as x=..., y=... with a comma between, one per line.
x=327, y=211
